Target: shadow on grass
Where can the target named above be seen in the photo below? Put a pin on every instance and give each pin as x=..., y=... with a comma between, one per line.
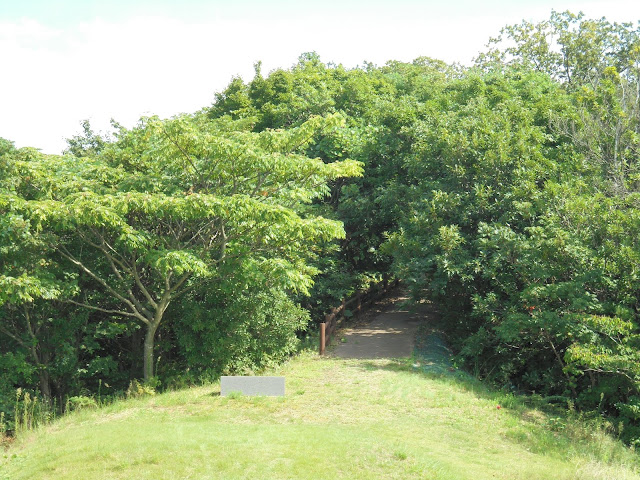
x=432, y=358
x=543, y=426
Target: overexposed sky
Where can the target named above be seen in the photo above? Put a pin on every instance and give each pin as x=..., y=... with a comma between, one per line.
x=68, y=60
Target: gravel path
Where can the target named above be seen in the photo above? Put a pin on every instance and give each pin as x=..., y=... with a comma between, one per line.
x=389, y=331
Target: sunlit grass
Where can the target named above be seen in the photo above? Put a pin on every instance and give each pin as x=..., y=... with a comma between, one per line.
x=340, y=419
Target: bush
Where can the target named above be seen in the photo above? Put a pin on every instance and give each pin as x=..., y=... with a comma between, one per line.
x=228, y=329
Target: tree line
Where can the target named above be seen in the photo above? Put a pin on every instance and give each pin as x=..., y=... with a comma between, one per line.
x=506, y=192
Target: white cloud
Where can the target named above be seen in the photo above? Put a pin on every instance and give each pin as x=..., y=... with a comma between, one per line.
x=100, y=71
x=26, y=30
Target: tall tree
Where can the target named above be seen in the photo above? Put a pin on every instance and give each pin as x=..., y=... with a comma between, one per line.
x=191, y=195
x=30, y=277
x=599, y=63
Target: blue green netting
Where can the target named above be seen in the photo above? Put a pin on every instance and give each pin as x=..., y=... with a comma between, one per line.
x=433, y=355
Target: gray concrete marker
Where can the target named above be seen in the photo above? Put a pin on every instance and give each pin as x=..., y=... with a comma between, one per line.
x=268, y=386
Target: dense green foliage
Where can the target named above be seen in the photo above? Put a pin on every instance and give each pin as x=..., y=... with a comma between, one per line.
x=188, y=219
x=523, y=220
x=379, y=105
x=508, y=192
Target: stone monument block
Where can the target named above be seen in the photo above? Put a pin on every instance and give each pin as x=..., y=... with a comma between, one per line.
x=267, y=386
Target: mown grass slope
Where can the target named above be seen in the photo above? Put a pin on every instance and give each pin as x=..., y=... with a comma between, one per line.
x=340, y=419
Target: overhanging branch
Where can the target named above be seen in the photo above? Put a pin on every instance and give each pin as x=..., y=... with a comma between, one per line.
x=109, y=311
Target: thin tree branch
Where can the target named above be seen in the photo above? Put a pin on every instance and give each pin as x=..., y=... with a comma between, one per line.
x=33, y=347
x=109, y=311
x=112, y=262
x=13, y=336
x=143, y=289
x=184, y=153
x=65, y=253
x=180, y=282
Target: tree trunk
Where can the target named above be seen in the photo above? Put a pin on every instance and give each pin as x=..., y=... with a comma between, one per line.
x=43, y=374
x=45, y=385
x=40, y=359
x=136, y=343
x=149, y=340
x=561, y=363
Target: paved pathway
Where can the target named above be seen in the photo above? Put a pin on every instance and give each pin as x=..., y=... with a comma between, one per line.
x=389, y=333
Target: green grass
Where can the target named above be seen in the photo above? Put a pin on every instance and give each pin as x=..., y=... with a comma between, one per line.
x=340, y=419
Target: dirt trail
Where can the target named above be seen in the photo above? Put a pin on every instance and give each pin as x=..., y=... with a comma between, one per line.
x=386, y=332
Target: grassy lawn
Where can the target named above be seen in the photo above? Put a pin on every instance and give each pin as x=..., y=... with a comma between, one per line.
x=340, y=419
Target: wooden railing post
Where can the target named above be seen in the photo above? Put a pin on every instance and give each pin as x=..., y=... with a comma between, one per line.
x=323, y=339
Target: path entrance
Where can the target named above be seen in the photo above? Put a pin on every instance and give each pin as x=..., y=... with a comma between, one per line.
x=389, y=332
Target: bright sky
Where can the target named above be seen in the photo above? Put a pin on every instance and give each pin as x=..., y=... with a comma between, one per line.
x=69, y=60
